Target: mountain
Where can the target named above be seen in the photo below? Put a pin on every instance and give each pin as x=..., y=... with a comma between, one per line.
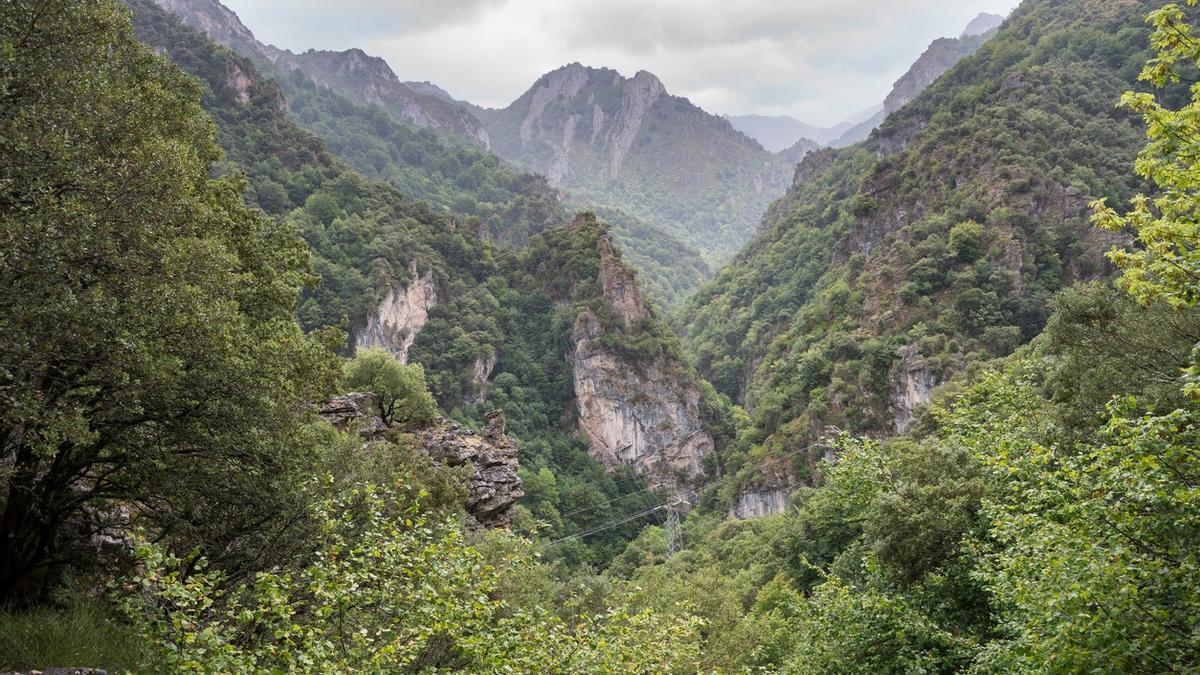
x=982, y=24
x=556, y=332
x=779, y=133
x=512, y=206
x=893, y=265
x=782, y=132
x=628, y=143
x=938, y=58
x=352, y=73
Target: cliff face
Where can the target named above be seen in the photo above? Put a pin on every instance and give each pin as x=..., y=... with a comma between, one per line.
x=642, y=415
x=494, y=486
x=639, y=413
x=400, y=316
x=912, y=383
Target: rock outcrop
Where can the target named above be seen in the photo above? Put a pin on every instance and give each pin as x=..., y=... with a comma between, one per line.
x=401, y=314
x=481, y=373
x=756, y=502
x=494, y=485
x=635, y=412
x=645, y=415
x=912, y=383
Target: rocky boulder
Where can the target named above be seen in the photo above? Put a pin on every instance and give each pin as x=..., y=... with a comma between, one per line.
x=494, y=485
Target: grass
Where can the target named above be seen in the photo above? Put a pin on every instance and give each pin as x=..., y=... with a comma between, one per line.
x=87, y=633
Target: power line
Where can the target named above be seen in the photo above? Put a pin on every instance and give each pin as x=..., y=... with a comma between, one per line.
x=669, y=503
x=609, y=526
x=617, y=499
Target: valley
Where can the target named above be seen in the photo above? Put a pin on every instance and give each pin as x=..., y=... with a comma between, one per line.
x=306, y=367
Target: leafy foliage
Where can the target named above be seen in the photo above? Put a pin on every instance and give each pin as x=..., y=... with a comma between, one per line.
x=403, y=395
x=148, y=349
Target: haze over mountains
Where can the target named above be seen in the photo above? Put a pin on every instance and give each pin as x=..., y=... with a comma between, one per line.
x=780, y=132
x=609, y=141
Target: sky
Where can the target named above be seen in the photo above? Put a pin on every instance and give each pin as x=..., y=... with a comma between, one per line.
x=817, y=60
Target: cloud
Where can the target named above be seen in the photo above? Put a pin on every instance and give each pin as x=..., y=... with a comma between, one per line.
x=818, y=60
x=300, y=24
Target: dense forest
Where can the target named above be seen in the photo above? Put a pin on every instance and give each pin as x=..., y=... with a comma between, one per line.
x=263, y=351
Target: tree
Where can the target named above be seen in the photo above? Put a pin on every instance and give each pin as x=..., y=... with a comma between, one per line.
x=387, y=587
x=1168, y=227
x=403, y=396
x=149, y=352
x=1095, y=563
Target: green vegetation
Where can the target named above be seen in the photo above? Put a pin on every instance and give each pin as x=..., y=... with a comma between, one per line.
x=171, y=503
x=403, y=395
x=947, y=233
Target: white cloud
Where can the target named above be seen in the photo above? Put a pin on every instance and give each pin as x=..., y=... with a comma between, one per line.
x=818, y=60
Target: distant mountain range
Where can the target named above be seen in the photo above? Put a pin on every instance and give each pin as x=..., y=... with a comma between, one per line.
x=777, y=133
x=627, y=142
x=607, y=140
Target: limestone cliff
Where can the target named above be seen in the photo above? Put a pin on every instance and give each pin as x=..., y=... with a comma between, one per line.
x=635, y=412
x=401, y=314
x=494, y=486
x=913, y=380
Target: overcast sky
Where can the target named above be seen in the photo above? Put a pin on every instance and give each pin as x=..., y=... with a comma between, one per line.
x=817, y=60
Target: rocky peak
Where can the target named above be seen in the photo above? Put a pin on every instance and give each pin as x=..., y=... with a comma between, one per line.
x=620, y=286
x=216, y=20
x=942, y=55
x=984, y=23
x=494, y=486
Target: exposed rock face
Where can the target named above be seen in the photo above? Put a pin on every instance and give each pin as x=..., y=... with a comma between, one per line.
x=912, y=384
x=643, y=415
x=400, y=316
x=494, y=487
x=355, y=412
x=757, y=502
x=481, y=372
x=620, y=286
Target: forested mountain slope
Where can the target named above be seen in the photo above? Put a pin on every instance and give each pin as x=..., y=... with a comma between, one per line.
x=352, y=73
x=627, y=143
x=531, y=330
x=329, y=98
x=937, y=244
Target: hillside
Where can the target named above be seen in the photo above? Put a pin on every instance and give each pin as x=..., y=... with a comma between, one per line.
x=936, y=245
x=352, y=73
x=335, y=96
x=556, y=333
x=627, y=143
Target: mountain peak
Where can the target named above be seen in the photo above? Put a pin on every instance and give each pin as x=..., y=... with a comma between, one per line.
x=982, y=24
